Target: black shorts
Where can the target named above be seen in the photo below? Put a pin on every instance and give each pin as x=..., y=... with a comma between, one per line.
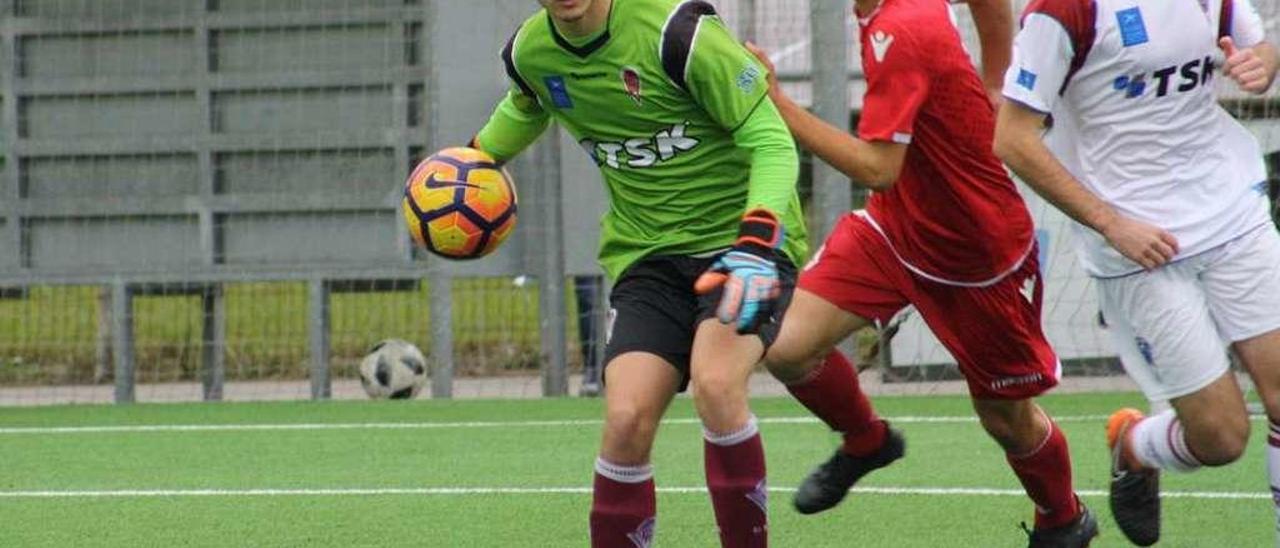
x=653, y=309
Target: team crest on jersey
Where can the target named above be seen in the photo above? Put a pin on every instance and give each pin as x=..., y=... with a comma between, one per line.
x=631, y=82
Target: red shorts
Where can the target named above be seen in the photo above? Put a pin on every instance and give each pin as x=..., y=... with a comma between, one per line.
x=993, y=332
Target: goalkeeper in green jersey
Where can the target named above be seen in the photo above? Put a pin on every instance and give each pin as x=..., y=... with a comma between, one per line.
x=700, y=170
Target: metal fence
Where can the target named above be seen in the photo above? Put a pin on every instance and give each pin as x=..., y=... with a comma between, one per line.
x=200, y=200
x=198, y=197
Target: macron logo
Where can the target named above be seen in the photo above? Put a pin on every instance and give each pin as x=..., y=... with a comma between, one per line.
x=880, y=43
x=1029, y=290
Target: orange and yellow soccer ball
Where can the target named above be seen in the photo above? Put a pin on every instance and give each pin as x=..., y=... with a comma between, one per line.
x=460, y=204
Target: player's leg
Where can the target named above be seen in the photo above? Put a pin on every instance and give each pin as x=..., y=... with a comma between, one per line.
x=1208, y=427
x=1162, y=328
x=804, y=358
x=802, y=344
x=1261, y=356
x=843, y=285
x=995, y=335
x=1037, y=452
x=639, y=386
x=646, y=362
x=1244, y=292
x=733, y=452
x=828, y=386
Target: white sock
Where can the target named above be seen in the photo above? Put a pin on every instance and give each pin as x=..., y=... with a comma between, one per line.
x=733, y=438
x=1273, y=470
x=1160, y=442
x=624, y=474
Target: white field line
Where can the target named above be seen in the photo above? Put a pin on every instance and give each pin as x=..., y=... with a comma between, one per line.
x=20, y=430
x=473, y=491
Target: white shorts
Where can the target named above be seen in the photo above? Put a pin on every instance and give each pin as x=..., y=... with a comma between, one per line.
x=1171, y=326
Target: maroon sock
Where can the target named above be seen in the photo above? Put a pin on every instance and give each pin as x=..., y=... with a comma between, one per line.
x=1045, y=473
x=736, y=480
x=831, y=392
x=623, y=508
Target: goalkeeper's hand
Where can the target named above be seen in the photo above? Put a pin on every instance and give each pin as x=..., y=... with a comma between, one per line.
x=747, y=273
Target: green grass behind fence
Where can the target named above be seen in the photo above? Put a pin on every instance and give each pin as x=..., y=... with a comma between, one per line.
x=50, y=335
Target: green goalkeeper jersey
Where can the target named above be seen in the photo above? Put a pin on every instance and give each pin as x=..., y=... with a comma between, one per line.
x=676, y=114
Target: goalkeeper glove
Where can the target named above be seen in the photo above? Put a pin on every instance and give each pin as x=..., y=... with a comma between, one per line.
x=747, y=273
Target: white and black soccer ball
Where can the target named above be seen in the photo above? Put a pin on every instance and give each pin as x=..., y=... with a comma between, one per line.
x=393, y=369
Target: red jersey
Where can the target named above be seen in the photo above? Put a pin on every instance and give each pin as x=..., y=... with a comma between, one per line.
x=953, y=215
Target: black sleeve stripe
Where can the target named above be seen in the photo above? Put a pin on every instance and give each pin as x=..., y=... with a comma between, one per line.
x=508, y=60
x=750, y=113
x=677, y=39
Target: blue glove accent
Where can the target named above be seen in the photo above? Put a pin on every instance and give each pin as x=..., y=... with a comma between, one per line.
x=750, y=290
x=747, y=274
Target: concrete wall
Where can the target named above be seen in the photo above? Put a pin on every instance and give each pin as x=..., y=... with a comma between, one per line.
x=230, y=139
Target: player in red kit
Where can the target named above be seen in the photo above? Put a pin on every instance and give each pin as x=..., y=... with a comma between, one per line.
x=946, y=231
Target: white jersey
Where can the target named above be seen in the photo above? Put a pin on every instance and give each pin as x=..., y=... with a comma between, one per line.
x=1128, y=85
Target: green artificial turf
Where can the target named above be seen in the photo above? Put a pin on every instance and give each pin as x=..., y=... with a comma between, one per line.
x=530, y=454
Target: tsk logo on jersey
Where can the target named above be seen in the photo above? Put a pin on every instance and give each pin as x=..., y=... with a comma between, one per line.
x=642, y=152
x=558, y=91
x=631, y=82
x=1191, y=75
x=880, y=43
x=1133, y=30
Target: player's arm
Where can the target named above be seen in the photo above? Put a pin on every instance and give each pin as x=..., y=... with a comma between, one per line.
x=775, y=165
x=873, y=164
x=1251, y=59
x=994, y=22
x=519, y=118
x=747, y=271
x=1041, y=58
x=514, y=125
x=1018, y=143
x=729, y=84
